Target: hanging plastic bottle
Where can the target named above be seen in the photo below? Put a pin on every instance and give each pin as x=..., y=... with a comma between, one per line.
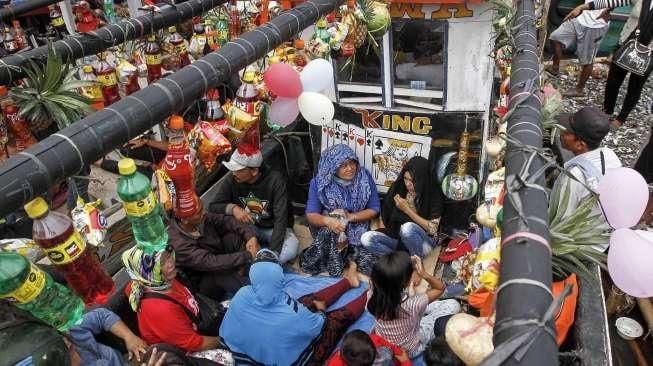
x=179, y=166
x=247, y=95
x=86, y=19
x=4, y=139
x=321, y=32
x=106, y=75
x=15, y=123
x=127, y=76
x=57, y=21
x=141, y=207
x=19, y=35
x=29, y=288
x=153, y=59
x=180, y=47
x=93, y=92
x=222, y=29
x=54, y=232
x=109, y=11
x=9, y=42
x=234, y=19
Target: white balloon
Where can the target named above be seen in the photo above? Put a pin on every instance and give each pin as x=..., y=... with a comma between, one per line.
x=317, y=75
x=316, y=108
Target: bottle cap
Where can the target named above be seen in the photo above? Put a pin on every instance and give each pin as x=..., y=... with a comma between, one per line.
x=36, y=208
x=151, y=38
x=172, y=29
x=176, y=122
x=322, y=23
x=274, y=60
x=87, y=68
x=299, y=44
x=126, y=166
x=249, y=76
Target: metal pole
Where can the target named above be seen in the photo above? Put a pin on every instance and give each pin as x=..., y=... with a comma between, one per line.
x=32, y=172
x=84, y=44
x=524, y=290
x=9, y=12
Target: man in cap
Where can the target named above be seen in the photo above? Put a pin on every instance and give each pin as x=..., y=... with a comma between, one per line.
x=257, y=196
x=582, y=135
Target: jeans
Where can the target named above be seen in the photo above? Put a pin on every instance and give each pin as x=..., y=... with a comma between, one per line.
x=290, y=246
x=616, y=77
x=414, y=238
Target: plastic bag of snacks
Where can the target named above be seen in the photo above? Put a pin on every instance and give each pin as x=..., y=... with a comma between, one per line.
x=485, y=273
x=164, y=189
x=209, y=143
x=90, y=221
x=25, y=247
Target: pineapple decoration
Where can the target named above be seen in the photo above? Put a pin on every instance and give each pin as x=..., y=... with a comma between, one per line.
x=357, y=30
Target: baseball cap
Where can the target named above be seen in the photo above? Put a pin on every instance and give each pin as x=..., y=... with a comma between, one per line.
x=240, y=161
x=589, y=124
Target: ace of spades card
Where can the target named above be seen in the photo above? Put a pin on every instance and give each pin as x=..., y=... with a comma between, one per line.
x=386, y=153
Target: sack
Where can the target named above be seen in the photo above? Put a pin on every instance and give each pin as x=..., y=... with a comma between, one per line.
x=210, y=314
x=634, y=56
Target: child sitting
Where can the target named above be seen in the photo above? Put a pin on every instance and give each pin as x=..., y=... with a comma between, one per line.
x=360, y=349
x=405, y=320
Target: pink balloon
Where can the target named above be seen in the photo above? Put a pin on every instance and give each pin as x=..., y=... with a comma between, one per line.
x=629, y=261
x=283, y=80
x=623, y=193
x=284, y=111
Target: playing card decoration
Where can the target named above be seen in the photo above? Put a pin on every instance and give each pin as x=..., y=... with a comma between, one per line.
x=460, y=186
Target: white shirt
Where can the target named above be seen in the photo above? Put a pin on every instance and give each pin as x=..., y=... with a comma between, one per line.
x=588, y=18
x=577, y=192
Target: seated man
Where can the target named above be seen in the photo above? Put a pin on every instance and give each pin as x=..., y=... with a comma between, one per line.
x=215, y=248
x=257, y=196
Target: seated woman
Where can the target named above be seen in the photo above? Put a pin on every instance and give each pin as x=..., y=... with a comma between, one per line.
x=407, y=321
x=164, y=306
x=411, y=213
x=342, y=199
x=264, y=325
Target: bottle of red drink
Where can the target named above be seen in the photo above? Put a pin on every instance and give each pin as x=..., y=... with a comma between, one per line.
x=180, y=46
x=211, y=36
x=153, y=59
x=106, y=75
x=9, y=42
x=54, y=232
x=179, y=166
x=93, y=92
x=234, y=19
x=127, y=76
x=15, y=123
x=20, y=36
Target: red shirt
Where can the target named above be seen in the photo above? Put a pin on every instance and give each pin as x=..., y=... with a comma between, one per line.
x=378, y=341
x=163, y=321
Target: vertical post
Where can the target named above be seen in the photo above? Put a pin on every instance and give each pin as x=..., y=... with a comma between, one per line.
x=524, y=295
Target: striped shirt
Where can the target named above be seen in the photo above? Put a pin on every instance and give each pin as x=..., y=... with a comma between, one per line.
x=404, y=331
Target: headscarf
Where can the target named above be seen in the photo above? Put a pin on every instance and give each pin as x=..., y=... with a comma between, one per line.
x=145, y=271
x=428, y=200
x=273, y=318
x=334, y=195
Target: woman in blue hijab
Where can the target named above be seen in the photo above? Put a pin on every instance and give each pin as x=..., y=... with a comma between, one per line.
x=264, y=325
x=342, y=199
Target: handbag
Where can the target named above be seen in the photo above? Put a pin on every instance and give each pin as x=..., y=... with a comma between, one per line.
x=210, y=314
x=634, y=56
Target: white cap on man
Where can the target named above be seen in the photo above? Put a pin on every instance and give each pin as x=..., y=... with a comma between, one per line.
x=240, y=161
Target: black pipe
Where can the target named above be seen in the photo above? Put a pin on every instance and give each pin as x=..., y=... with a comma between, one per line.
x=525, y=275
x=31, y=173
x=84, y=44
x=9, y=12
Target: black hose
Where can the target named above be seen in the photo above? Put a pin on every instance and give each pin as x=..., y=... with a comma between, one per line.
x=30, y=173
x=523, y=295
x=84, y=44
x=9, y=12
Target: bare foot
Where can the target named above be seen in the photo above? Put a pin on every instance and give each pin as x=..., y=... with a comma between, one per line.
x=351, y=274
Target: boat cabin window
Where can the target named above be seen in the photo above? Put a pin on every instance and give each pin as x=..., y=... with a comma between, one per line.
x=410, y=60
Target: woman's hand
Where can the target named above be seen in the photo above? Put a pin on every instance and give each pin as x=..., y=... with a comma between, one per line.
x=335, y=225
x=576, y=12
x=154, y=360
x=401, y=203
x=135, y=347
x=418, y=266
